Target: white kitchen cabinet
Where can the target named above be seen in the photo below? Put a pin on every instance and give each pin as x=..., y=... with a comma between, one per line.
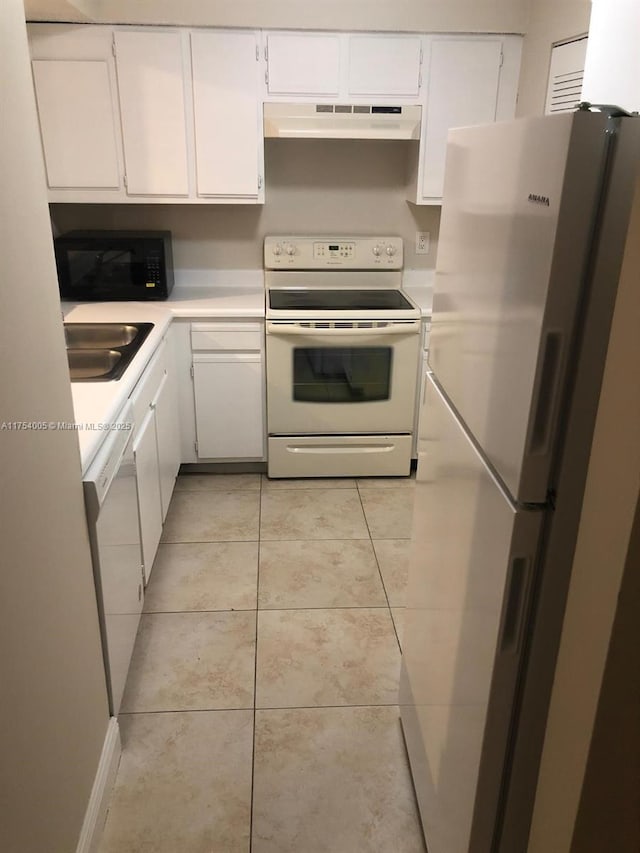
x=228, y=387
x=129, y=115
x=77, y=101
x=78, y=131
x=167, y=437
x=156, y=446
x=384, y=65
x=228, y=397
x=227, y=114
x=332, y=66
x=303, y=64
x=470, y=80
x=145, y=451
x=151, y=88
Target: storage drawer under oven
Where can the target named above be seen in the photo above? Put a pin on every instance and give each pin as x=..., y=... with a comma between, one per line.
x=339, y=456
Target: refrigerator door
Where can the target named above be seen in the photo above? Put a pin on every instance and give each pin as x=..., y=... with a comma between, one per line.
x=520, y=200
x=473, y=553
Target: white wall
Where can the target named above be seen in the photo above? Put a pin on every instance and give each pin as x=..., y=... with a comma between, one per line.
x=550, y=21
x=508, y=16
x=53, y=703
x=612, y=67
x=330, y=186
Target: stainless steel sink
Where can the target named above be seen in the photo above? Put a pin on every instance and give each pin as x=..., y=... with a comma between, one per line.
x=92, y=364
x=101, y=352
x=99, y=335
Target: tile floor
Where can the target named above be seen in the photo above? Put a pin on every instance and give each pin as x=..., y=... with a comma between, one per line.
x=260, y=711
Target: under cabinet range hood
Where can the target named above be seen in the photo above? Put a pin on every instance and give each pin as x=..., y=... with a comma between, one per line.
x=341, y=121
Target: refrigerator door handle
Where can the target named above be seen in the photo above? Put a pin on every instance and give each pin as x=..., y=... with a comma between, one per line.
x=518, y=584
x=547, y=393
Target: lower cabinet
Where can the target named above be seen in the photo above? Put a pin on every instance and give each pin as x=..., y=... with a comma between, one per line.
x=145, y=451
x=228, y=397
x=228, y=389
x=167, y=437
x=156, y=447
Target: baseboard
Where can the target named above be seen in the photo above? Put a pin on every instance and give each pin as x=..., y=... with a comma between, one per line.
x=102, y=784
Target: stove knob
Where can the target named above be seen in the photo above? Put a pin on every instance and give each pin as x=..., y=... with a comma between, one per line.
x=290, y=249
x=277, y=249
x=391, y=250
x=376, y=251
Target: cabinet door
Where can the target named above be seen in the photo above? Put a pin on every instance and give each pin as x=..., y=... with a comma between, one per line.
x=168, y=439
x=152, y=105
x=384, y=65
x=226, y=113
x=463, y=90
x=77, y=124
x=229, y=410
x=303, y=64
x=148, y=482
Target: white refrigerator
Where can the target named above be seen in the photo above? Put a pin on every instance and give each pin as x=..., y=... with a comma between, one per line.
x=531, y=240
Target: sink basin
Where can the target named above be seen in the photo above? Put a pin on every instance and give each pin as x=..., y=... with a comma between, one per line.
x=99, y=335
x=92, y=364
x=101, y=352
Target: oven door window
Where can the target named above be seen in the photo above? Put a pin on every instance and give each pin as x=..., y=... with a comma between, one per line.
x=341, y=374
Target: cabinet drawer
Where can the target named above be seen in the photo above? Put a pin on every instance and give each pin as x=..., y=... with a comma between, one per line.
x=226, y=336
x=148, y=385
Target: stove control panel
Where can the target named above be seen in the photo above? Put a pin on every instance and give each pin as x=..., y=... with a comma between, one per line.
x=316, y=253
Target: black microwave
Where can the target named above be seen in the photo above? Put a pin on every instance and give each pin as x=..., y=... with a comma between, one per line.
x=106, y=265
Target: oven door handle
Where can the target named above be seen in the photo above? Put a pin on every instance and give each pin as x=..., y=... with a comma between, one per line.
x=410, y=328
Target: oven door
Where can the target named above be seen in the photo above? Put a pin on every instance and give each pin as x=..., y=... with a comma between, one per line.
x=359, y=380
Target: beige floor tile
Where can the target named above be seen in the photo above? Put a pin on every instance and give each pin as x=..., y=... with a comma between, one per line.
x=212, y=516
x=397, y=614
x=389, y=512
x=183, y=785
x=312, y=514
x=393, y=559
x=192, y=661
x=326, y=657
x=218, y=482
x=327, y=573
x=203, y=576
x=308, y=483
x=333, y=780
x=387, y=482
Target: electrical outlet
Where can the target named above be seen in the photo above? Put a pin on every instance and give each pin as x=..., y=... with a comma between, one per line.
x=423, y=241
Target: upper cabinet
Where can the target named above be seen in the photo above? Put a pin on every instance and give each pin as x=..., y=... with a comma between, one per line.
x=227, y=115
x=151, y=114
x=384, y=65
x=343, y=67
x=151, y=86
x=303, y=64
x=76, y=96
x=470, y=80
x=172, y=115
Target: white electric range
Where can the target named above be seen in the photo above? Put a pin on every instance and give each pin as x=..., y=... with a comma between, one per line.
x=342, y=354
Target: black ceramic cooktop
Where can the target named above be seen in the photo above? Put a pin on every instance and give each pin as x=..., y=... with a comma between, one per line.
x=338, y=300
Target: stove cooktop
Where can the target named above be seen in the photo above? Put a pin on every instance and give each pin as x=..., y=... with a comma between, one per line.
x=338, y=300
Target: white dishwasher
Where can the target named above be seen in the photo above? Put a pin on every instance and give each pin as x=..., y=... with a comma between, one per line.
x=112, y=515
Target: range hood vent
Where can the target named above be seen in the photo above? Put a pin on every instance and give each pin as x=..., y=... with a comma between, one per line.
x=341, y=121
